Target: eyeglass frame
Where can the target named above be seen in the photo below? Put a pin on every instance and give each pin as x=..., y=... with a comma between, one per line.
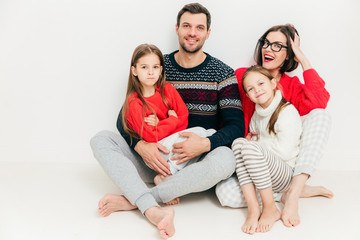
x=263, y=41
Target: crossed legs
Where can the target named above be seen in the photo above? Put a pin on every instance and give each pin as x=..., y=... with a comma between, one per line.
x=129, y=173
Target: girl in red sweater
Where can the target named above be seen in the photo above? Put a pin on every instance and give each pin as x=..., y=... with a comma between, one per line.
x=278, y=50
x=153, y=110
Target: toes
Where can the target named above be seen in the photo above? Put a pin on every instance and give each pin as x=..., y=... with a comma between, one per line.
x=173, y=202
x=163, y=234
x=294, y=222
x=266, y=228
x=286, y=222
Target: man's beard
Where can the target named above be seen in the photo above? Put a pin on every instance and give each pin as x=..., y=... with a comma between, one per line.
x=182, y=45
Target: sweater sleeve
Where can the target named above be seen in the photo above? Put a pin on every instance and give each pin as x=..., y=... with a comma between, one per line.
x=177, y=104
x=308, y=96
x=149, y=133
x=231, y=114
x=119, y=125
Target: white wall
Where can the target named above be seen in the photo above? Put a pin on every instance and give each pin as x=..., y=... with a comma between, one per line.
x=64, y=65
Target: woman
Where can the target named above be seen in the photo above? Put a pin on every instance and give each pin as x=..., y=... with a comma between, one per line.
x=278, y=50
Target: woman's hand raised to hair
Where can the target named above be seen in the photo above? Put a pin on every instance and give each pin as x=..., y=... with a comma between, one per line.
x=299, y=55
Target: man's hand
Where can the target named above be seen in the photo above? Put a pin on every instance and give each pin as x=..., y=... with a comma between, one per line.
x=190, y=148
x=151, y=155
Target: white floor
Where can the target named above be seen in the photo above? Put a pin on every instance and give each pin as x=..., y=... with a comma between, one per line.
x=59, y=201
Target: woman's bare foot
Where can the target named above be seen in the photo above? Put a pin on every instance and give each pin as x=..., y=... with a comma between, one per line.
x=251, y=221
x=268, y=217
x=112, y=203
x=160, y=178
x=163, y=219
x=313, y=191
x=290, y=215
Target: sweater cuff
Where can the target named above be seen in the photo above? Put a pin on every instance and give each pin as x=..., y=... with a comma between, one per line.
x=213, y=143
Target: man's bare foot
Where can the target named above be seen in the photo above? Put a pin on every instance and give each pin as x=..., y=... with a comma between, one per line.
x=160, y=178
x=251, y=221
x=163, y=219
x=112, y=203
x=268, y=217
x=290, y=215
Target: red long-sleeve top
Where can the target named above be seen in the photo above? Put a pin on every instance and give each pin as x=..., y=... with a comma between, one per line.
x=167, y=124
x=305, y=97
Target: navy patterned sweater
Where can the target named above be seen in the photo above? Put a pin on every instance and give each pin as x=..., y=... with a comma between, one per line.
x=211, y=94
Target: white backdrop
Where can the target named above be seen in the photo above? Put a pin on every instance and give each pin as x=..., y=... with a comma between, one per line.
x=64, y=65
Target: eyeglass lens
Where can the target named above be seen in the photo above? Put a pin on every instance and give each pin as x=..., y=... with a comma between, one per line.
x=276, y=47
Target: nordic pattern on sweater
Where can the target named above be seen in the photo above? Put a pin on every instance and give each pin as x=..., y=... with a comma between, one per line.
x=211, y=95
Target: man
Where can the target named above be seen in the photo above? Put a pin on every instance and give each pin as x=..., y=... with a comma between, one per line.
x=210, y=92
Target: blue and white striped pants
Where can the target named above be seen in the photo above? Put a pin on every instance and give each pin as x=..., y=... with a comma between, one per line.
x=316, y=129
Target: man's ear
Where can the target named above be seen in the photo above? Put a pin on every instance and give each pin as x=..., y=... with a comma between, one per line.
x=176, y=28
x=208, y=33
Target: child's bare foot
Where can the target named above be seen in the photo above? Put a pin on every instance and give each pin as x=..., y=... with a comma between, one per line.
x=251, y=222
x=268, y=217
x=175, y=201
x=163, y=219
x=112, y=203
x=160, y=178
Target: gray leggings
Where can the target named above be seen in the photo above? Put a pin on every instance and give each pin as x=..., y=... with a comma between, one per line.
x=130, y=173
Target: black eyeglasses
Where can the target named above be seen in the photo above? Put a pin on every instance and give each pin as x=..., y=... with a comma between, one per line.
x=275, y=46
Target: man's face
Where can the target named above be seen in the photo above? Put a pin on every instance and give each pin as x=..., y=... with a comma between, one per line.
x=192, y=31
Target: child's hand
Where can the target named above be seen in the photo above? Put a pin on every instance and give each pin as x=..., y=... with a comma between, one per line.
x=172, y=113
x=252, y=136
x=151, y=120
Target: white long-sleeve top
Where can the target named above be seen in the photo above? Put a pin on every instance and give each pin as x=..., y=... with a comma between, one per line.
x=288, y=128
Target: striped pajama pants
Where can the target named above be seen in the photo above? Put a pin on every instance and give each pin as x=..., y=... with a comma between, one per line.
x=316, y=129
x=256, y=164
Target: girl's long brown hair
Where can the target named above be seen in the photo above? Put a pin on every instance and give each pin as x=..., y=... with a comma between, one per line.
x=134, y=86
x=283, y=103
